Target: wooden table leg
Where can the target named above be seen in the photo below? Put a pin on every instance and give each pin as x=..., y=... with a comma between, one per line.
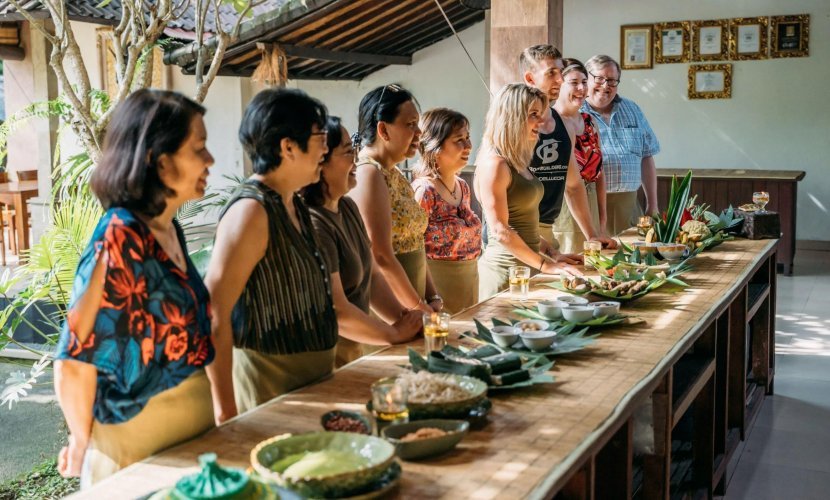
x=21, y=215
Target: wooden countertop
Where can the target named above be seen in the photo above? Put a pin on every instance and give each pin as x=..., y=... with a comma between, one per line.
x=727, y=173
x=535, y=437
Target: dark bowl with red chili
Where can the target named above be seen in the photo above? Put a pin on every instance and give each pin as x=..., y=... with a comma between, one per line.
x=346, y=421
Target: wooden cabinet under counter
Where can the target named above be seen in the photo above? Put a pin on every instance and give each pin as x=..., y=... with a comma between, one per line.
x=721, y=187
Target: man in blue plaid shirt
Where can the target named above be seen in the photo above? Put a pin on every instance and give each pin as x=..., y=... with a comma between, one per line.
x=627, y=142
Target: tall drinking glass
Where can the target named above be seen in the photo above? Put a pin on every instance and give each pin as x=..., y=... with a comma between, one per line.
x=519, y=279
x=436, y=330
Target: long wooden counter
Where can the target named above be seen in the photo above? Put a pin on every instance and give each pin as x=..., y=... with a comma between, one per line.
x=574, y=437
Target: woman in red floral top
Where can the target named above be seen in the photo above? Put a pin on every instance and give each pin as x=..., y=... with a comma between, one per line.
x=453, y=235
x=588, y=158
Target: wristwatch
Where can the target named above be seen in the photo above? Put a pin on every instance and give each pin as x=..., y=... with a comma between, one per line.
x=436, y=297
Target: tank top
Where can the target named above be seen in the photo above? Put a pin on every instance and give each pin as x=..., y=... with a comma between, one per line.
x=550, y=165
x=286, y=306
x=523, y=197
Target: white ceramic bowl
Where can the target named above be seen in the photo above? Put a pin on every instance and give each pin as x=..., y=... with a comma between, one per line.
x=578, y=314
x=538, y=341
x=573, y=300
x=505, y=336
x=532, y=325
x=607, y=308
x=551, y=309
x=671, y=251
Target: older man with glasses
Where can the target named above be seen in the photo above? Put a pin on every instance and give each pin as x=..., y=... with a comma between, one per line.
x=628, y=145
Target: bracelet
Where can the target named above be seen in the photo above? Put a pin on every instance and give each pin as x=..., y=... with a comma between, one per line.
x=541, y=263
x=420, y=301
x=436, y=297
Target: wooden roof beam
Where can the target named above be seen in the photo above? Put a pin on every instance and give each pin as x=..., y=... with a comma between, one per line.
x=304, y=52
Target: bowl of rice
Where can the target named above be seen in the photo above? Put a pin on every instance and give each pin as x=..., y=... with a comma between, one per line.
x=441, y=394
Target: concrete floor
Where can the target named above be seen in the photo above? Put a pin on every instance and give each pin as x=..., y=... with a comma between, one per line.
x=787, y=454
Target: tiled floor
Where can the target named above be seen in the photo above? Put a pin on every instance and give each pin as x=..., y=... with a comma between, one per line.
x=787, y=454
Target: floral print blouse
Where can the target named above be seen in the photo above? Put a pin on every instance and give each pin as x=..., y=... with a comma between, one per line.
x=453, y=233
x=152, y=329
x=587, y=151
x=409, y=221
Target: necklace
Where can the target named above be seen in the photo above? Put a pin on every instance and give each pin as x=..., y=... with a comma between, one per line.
x=454, y=186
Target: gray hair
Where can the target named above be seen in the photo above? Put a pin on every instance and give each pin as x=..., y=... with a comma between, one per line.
x=599, y=61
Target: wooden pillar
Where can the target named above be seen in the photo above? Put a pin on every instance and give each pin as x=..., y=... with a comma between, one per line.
x=515, y=25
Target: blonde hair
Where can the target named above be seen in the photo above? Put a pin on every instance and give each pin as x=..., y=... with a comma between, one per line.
x=505, y=128
x=437, y=125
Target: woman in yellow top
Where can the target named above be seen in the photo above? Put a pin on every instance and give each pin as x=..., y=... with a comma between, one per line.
x=388, y=133
x=509, y=193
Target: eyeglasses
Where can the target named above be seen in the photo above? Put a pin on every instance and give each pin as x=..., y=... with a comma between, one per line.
x=601, y=80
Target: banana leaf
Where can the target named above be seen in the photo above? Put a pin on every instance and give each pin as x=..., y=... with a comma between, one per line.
x=568, y=340
x=666, y=229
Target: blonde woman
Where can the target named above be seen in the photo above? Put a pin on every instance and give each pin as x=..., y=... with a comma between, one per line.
x=453, y=235
x=509, y=193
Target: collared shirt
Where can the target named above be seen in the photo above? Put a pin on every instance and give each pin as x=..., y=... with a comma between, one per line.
x=625, y=140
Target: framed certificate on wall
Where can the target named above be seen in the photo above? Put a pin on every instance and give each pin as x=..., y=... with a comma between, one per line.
x=636, y=46
x=790, y=36
x=710, y=81
x=671, y=42
x=748, y=38
x=710, y=40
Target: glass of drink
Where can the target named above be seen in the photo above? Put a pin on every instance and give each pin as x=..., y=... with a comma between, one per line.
x=591, y=251
x=436, y=330
x=389, y=402
x=760, y=198
x=519, y=279
x=644, y=223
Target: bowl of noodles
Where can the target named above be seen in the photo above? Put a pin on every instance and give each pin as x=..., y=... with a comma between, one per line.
x=441, y=394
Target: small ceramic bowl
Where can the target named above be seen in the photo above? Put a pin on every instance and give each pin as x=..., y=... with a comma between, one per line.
x=608, y=308
x=671, y=251
x=573, y=300
x=538, y=341
x=505, y=336
x=551, y=309
x=578, y=314
x=346, y=421
x=645, y=247
x=532, y=325
x=422, y=448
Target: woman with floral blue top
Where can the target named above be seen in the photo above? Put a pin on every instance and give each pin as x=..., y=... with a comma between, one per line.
x=129, y=369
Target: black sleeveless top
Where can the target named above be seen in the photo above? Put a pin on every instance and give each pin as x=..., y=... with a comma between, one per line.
x=550, y=165
x=286, y=306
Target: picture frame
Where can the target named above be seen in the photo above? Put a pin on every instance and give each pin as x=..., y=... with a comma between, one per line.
x=672, y=42
x=710, y=81
x=710, y=40
x=748, y=38
x=790, y=36
x=637, y=46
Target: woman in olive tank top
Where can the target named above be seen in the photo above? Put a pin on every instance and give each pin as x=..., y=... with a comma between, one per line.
x=509, y=193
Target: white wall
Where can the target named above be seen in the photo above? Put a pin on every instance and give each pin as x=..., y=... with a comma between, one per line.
x=779, y=113
x=440, y=75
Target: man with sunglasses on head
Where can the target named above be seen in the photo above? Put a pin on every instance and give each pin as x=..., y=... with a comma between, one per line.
x=627, y=142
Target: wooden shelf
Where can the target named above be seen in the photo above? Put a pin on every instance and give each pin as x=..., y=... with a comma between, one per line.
x=757, y=293
x=733, y=438
x=691, y=373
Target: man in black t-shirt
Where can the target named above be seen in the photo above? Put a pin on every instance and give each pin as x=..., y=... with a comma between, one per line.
x=541, y=67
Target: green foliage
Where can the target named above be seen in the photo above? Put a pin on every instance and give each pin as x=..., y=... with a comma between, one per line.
x=667, y=226
x=41, y=483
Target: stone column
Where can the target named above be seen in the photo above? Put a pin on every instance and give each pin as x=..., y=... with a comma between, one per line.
x=32, y=146
x=515, y=25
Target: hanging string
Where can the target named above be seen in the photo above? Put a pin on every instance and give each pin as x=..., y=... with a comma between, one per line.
x=483, y=81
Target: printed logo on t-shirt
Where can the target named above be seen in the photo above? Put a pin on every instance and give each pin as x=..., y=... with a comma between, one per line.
x=547, y=151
